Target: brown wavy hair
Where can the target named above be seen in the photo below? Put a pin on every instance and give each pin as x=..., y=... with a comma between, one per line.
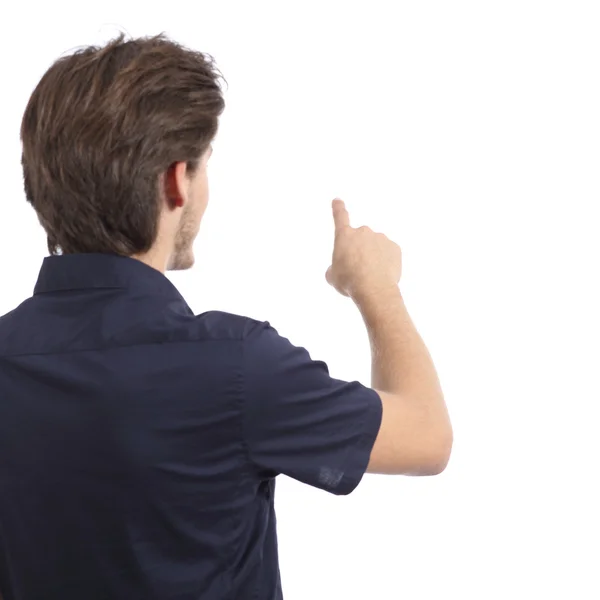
x=102, y=127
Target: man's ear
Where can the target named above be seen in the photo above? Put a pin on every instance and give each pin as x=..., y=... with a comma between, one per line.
x=175, y=184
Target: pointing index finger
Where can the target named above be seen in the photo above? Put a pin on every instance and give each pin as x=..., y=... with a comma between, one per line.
x=341, y=217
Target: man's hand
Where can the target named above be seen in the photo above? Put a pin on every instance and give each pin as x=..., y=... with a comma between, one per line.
x=363, y=261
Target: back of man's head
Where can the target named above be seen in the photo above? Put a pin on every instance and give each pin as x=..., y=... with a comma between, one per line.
x=102, y=126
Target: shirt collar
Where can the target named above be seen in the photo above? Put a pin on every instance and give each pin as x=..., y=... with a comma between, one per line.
x=87, y=271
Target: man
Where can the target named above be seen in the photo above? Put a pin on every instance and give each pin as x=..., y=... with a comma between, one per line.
x=139, y=443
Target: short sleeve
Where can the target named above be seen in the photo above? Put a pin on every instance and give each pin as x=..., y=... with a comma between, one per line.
x=299, y=421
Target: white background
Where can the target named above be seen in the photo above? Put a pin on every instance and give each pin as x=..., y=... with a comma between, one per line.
x=468, y=132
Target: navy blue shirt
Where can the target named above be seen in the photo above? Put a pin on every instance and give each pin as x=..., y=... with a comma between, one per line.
x=139, y=443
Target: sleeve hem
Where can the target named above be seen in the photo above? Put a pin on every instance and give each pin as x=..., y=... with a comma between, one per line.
x=361, y=452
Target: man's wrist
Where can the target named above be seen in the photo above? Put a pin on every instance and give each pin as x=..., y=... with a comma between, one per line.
x=375, y=295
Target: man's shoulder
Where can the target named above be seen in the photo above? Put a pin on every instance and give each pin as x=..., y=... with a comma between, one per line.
x=218, y=324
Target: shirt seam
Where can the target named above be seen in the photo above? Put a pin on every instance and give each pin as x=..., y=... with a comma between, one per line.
x=245, y=445
x=138, y=345
x=237, y=518
x=243, y=398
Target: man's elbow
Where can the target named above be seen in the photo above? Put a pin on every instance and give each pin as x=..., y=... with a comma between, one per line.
x=441, y=458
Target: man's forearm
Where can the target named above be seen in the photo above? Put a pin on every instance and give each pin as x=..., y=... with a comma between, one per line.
x=401, y=363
